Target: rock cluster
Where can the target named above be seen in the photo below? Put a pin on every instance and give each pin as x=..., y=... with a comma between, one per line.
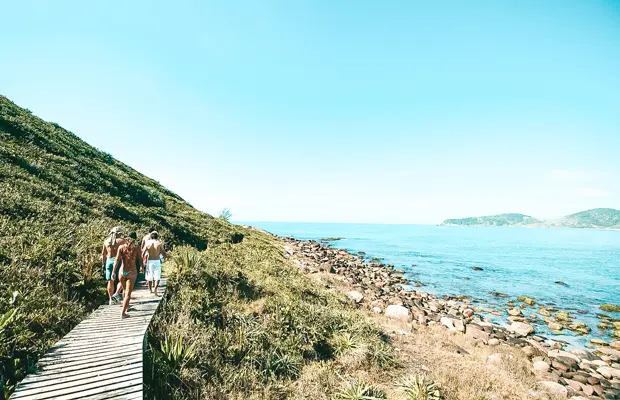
x=380, y=287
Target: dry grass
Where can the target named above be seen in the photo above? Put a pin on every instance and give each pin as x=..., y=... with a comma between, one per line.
x=457, y=363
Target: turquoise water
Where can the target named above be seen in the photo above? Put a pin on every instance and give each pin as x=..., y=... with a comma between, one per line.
x=515, y=261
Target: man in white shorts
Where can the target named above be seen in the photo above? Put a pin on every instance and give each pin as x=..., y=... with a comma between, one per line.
x=155, y=250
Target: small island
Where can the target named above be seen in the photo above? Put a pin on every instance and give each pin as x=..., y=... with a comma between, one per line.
x=599, y=218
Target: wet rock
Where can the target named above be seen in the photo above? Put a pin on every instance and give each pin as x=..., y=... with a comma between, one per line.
x=599, y=342
x=514, y=312
x=544, y=312
x=562, y=316
x=560, y=283
x=498, y=294
x=610, y=307
x=477, y=269
x=554, y=326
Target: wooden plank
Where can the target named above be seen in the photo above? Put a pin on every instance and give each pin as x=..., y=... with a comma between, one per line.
x=101, y=358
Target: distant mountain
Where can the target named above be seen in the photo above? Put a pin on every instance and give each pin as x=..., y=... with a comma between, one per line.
x=602, y=218
x=595, y=218
x=512, y=219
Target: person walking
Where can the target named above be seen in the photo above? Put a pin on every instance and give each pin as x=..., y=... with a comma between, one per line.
x=146, y=238
x=154, y=252
x=108, y=257
x=129, y=255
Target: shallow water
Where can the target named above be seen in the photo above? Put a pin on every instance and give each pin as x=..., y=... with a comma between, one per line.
x=515, y=261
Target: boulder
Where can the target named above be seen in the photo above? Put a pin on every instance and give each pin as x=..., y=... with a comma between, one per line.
x=599, y=342
x=356, y=296
x=493, y=342
x=541, y=366
x=554, y=326
x=615, y=345
x=561, y=353
x=476, y=333
x=447, y=322
x=521, y=328
x=554, y=388
x=399, y=312
x=514, y=312
x=609, y=372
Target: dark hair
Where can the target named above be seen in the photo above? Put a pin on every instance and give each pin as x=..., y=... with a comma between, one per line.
x=152, y=229
x=132, y=235
x=154, y=235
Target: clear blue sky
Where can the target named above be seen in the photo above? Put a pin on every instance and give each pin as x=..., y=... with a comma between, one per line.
x=336, y=111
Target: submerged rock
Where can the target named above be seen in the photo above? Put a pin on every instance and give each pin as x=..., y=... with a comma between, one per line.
x=610, y=307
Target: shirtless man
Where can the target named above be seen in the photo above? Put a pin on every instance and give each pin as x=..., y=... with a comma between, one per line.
x=129, y=254
x=108, y=257
x=146, y=238
x=155, y=250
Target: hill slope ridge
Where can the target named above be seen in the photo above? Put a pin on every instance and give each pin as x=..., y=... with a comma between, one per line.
x=600, y=218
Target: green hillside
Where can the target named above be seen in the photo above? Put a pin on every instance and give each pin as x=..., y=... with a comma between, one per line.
x=494, y=220
x=601, y=218
x=595, y=218
x=260, y=323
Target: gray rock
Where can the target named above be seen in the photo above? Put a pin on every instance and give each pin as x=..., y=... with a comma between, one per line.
x=399, y=312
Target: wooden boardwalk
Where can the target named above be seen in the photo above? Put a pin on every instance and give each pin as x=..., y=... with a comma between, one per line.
x=101, y=358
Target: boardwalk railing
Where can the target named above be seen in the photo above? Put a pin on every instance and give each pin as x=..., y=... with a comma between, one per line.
x=101, y=358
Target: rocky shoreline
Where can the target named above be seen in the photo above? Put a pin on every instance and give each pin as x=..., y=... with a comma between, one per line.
x=575, y=373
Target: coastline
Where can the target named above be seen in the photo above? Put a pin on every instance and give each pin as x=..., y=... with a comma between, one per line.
x=384, y=291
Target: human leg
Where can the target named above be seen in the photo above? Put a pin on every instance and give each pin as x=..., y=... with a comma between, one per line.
x=128, y=283
x=156, y=275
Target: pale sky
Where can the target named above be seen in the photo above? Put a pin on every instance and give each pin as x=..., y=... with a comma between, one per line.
x=347, y=111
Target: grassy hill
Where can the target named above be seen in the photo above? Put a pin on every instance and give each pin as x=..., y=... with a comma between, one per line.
x=595, y=218
x=238, y=320
x=511, y=219
x=602, y=218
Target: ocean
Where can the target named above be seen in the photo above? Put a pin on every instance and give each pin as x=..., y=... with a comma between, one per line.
x=514, y=261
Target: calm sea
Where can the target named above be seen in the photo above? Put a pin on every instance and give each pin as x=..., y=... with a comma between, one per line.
x=515, y=261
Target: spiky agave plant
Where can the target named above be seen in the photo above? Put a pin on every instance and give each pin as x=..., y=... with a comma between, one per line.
x=418, y=387
x=175, y=352
x=358, y=389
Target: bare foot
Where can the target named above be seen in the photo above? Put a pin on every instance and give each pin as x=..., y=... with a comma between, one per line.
x=125, y=315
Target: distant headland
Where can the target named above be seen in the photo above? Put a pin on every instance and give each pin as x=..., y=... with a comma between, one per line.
x=601, y=218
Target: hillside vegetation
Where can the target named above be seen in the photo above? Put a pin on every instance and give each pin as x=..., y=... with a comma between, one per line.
x=494, y=220
x=238, y=321
x=602, y=218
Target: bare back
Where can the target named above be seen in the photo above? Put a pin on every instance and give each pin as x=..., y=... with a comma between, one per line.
x=111, y=249
x=155, y=249
x=129, y=254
